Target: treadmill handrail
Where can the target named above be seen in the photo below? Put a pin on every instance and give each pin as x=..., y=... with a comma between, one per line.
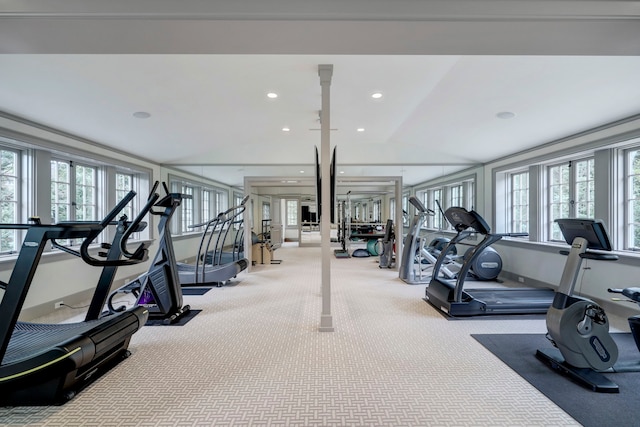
x=221, y=220
x=489, y=239
x=29, y=256
x=137, y=257
x=141, y=253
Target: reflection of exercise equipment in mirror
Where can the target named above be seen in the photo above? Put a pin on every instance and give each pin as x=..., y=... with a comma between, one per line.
x=387, y=244
x=349, y=231
x=262, y=247
x=343, y=225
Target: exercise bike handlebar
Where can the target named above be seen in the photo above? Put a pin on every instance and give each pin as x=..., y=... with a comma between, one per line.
x=632, y=293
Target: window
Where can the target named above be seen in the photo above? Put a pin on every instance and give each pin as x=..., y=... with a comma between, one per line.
x=377, y=209
x=570, y=193
x=558, y=198
x=292, y=213
x=60, y=191
x=206, y=205
x=266, y=210
x=200, y=204
x=435, y=200
x=85, y=200
x=392, y=208
x=632, y=190
x=186, y=209
x=456, y=195
x=124, y=184
x=9, y=198
x=73, y=194
x=519, y=198
x=220, y=200
x=237, y=198
x=584, y=198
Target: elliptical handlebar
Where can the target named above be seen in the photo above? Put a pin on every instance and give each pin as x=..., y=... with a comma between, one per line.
x=421, y=207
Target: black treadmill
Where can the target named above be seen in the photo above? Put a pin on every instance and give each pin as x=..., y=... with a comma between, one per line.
x=44, y=364
x=450, y=296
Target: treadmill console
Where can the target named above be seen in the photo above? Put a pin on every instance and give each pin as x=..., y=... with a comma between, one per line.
x=461, y=219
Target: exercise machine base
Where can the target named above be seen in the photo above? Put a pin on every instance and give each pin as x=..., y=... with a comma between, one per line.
x=488, y=301
x=586, y=377
x=341, y=253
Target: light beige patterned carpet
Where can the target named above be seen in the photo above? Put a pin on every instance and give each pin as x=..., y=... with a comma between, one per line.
x=253, y=357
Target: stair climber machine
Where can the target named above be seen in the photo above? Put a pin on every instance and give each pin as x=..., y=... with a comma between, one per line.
x=578, y=327
x=419, y=259
x=45, y=364
x=158, y=290
x=218, y=265
x=450, y=296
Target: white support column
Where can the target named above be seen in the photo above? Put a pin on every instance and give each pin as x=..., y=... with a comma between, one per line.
x=325, y=71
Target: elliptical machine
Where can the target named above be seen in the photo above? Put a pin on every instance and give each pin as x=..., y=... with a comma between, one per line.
x=578, y=327
x=418, y=261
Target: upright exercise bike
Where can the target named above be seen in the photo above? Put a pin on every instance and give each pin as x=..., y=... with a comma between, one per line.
x=578, y=327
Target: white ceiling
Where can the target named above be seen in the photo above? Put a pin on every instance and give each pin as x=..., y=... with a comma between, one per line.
x=444, y=76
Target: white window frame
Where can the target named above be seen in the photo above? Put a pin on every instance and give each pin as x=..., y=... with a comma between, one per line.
x=10, y=204
x=569, y=197
x=518, y=196
x=292, y=215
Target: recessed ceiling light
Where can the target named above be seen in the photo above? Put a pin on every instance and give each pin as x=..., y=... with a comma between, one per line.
x=360, y=129
x=376, y=95
x=141, y=115
x=341, y=171
x=301, y=171
x=272, y=95
x=285, y=129
x=505, y=115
